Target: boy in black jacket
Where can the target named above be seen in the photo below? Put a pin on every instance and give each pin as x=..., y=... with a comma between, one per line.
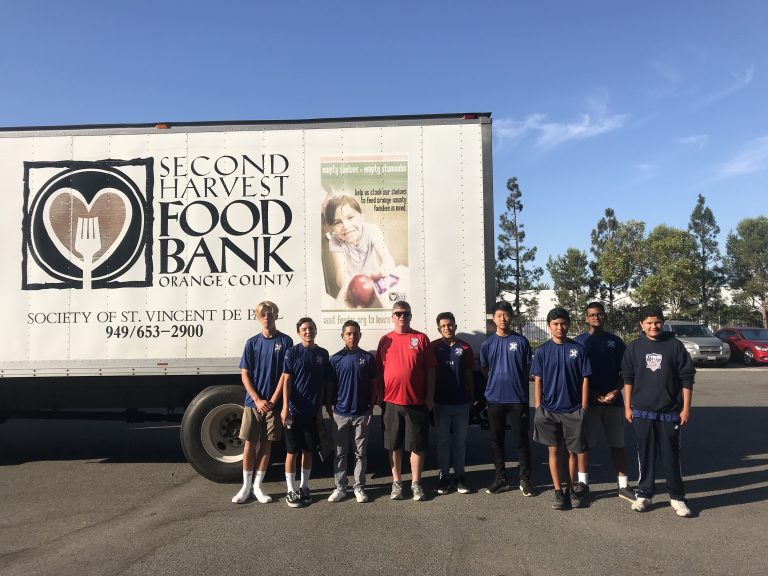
x=658, y=387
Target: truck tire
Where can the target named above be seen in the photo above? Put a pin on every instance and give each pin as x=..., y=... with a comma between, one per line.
x=209, y=433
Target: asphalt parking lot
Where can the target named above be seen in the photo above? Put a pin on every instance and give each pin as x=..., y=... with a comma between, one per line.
x=110, y=498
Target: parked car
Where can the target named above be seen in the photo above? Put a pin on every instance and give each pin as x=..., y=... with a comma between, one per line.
x=703, y=346
x=749, y=343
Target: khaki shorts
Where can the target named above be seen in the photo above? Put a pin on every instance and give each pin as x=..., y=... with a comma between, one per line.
x=256, y=427
x=608, y=418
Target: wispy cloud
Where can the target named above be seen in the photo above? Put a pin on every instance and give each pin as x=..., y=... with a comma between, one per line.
x=548, y=134
x=696, y=140
x=666, y=82
x=740, y=81
x=753, y=158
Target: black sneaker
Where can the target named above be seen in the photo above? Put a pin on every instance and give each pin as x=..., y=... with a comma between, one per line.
x=461, y=485
x=562, y=500
x=525, y=487
x=627, y=493
x=305, y=495
x=293, y=500
x=443, y=485
x=498, y=485
x=579, y=493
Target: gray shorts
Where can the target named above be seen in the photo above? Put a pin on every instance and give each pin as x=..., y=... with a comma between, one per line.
x=557, y=428
x=611, y=420
x=256, y=427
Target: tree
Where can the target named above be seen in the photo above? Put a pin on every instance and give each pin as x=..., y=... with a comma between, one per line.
x=515, y=272
x=617, y=257
x=570, y=275
x=746, y=262
x=669, y=272
x=705, y=230
x=601, y=235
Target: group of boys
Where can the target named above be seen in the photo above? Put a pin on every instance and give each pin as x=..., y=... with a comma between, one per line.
x=578, y=388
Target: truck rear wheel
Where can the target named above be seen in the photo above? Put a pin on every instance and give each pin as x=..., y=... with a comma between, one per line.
x=209, y=433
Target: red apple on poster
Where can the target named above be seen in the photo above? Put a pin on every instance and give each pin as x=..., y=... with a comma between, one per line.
x=360, y=292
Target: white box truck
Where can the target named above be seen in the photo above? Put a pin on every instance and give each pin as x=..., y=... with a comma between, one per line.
x=133, y=255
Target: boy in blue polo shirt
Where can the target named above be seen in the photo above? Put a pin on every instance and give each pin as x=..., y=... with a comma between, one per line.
x=353, y=398
x=454, y=394
x=307, y=373
x=261, y=368
x=505, y=358
x=561, y=395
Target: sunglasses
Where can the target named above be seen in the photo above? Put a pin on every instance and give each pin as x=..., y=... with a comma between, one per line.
x=401, y=314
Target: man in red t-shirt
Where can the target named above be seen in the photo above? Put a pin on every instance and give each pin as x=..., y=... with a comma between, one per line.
x=407, y=367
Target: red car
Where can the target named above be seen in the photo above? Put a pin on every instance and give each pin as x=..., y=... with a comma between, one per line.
x=750, y=343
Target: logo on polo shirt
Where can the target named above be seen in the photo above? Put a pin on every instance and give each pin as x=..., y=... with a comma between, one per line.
x=362, y=362
x=278, y=347
x=653, y=362
x=610, y=344
x=513, y=346
x=573, y=353
x=414, y=343
x=459, y=351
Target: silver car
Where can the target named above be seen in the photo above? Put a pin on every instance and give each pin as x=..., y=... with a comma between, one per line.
x=703, y=346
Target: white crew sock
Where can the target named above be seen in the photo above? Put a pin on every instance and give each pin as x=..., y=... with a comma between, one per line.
x=623, y=481
x=245, y=492
x=290, y=480
x=258, y=479
x=305, y=472
x=257, y=491
x=584, y=477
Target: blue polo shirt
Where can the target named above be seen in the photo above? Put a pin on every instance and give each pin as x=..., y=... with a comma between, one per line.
x=562, y=368
x=354, y=370
x=309, y=369
x=263, y=358
x=506, y=358
x=451, y=371
x=605, y=351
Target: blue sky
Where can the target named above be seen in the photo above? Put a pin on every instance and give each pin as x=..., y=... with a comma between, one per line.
x=634, y=106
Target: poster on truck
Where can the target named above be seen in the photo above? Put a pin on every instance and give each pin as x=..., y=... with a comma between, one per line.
x=364, y=238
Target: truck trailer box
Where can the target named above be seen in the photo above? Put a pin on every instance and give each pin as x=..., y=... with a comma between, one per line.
x=133, y=255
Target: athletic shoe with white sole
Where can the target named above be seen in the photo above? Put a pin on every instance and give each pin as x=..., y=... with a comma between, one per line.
x=627, y=494
x=418, y=492
x=681, y=508
x=397, y=490
x=293, y=500
x=499, y=484
x=461, y=485
x=360, y=495
x=338, y=495
x=443, y=485
x=641, y=504
x=525, y=487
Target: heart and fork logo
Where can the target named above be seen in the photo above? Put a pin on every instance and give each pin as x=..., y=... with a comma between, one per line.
x=87, y=224
x=86, y=232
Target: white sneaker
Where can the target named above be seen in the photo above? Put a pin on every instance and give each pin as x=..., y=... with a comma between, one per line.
x=244, y=495
x=681, y=508
x=338, y=495
x=360, y=495
x=260, y=496
x=641, y=504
